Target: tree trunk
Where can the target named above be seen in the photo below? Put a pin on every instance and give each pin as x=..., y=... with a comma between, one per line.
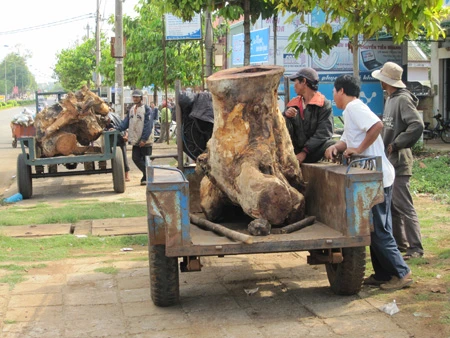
x=77, y=119
x=250, y=159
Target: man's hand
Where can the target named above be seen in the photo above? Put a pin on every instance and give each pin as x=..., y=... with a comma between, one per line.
x=331, y=153
x=390, y=149
x=350, y=151
x=301, y=157
x=125, y=137
x=141, y=144
x=290, y=112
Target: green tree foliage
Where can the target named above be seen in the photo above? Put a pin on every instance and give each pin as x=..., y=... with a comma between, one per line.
x=17, y=73
x=75, y=66
x=144, y=60
x=401, y=19
x=230, y=10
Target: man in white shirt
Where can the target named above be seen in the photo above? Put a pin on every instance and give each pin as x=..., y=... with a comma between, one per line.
x=361, y=136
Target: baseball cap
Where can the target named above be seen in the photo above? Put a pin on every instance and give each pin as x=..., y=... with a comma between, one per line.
x=136, y=92
x=307, y=73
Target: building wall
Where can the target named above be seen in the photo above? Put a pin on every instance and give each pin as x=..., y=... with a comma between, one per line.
x=418, y=74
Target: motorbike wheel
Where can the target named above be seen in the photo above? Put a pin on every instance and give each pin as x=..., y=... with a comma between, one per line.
x=445, y=134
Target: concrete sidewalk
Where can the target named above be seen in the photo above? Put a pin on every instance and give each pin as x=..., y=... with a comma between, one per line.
x=288, y=298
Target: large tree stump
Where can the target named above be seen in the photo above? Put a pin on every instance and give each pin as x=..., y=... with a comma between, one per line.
x=76, y=120
x=250, y=159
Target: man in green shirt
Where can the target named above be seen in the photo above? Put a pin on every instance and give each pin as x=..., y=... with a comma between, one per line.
x=166, y=120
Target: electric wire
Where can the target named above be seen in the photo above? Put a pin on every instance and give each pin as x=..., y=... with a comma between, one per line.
x=50, y=24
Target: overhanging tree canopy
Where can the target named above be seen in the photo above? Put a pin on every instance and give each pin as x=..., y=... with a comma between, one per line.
x=401, y=19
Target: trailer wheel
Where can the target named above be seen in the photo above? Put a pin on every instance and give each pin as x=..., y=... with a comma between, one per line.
x=164, y=283
x=118, y=171
x=88, y=166
x=346, y=278
x=24, y=183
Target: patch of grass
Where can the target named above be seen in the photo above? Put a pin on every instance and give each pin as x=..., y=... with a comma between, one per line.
x=12, y=279
x=108, y=270
x=69, y=213
x=140, y=259
x=12, y=267
x=422, y=297
x=60, y=247
x=6, y=321
x=430, y=175
x=445, y=315
x=15, y=267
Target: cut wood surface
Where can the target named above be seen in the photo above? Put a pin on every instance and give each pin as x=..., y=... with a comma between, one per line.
x=65, y=127
x=250, y=159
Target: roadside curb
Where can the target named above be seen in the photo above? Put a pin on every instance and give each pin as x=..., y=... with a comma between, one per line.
x=99, y=227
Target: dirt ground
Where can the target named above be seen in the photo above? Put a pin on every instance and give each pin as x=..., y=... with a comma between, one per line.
x=71, y=298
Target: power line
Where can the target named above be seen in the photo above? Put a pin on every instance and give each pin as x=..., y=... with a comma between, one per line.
x=51, y=24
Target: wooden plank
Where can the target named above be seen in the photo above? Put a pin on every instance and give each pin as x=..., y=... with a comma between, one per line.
x=35, y=230
x=119, y=226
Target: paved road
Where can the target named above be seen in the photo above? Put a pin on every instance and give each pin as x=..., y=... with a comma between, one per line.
x=8, y=154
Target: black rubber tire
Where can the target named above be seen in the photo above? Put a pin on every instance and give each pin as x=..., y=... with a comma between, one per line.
x=346, y=278
x=52, y=168
x=164, y=282
x=445, y=135
x=24, y=182
x=118, y=171
x=88, y=166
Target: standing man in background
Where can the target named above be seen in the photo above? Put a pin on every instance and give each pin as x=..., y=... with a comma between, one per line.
x=154, y=111
x=403, y=127
x=166, y=120
x=139, y=122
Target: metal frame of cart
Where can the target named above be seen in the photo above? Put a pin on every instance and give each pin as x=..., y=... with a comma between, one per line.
x=28, y=159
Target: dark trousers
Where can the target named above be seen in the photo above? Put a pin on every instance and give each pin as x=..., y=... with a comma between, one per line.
x=386, y=259
x=125, y=159
x=138, y=156
x=406, y=226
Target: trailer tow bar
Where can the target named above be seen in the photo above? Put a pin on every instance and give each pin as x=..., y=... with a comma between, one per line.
x=317, y=257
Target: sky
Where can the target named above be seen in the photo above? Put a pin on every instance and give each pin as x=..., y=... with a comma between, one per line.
x=43, y=28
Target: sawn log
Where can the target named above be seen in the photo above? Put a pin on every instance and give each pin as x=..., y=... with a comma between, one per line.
x=78, y=119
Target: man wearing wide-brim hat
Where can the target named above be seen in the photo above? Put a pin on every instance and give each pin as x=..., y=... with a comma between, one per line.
x=403, y=127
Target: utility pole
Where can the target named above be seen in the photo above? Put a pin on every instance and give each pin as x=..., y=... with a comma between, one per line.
x=118, y=48
x=87, y=31
x=209, y=43
x=97, y=48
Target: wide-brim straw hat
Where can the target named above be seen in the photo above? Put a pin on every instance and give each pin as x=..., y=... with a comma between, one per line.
x=390, y=73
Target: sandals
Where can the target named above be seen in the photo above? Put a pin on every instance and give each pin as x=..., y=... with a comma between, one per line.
x=412, y=255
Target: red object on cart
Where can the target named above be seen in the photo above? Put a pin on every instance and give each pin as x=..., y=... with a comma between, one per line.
x=19, y=130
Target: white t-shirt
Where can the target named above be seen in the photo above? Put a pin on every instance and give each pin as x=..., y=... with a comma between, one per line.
x=358, y=119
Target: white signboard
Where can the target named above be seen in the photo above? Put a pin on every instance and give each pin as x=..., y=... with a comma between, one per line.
x=176, y=29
